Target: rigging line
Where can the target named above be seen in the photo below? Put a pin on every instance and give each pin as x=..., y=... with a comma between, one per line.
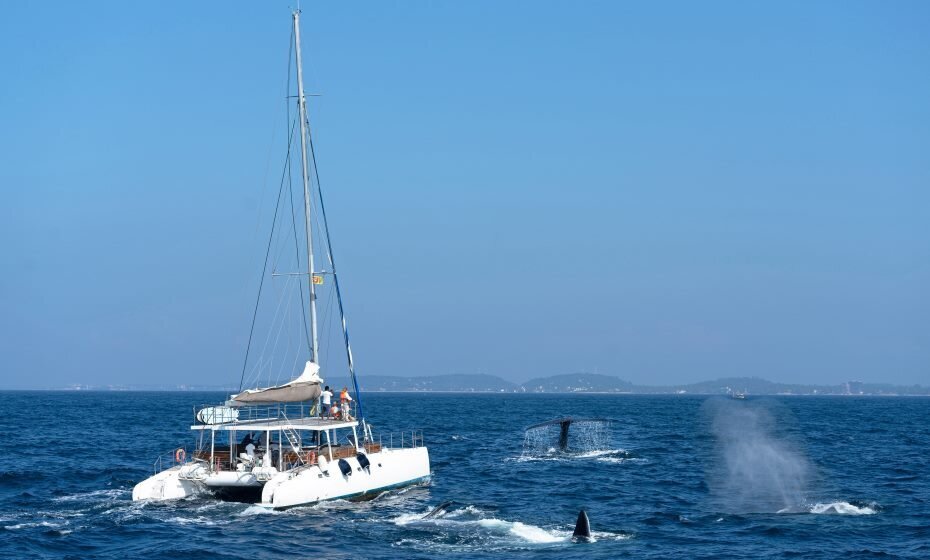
x=261, y=281
x=332, y=265
x=326, y=329
x=274, y=345
x=287, y=108
x=281, y=239
x=257, y=370
x=327, y=336
x=303, y=305
x=284, y=354
x=297, y=348
x=264, y=189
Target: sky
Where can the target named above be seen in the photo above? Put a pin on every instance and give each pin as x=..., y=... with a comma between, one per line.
x=666, y=192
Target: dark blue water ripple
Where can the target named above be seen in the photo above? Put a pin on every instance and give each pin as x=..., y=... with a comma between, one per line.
x=660, y=491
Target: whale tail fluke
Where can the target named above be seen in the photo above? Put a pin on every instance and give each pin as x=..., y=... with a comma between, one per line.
x=582, y=528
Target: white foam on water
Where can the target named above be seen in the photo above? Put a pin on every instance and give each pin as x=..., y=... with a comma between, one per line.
x=126, y=510
x=199, y=520
x=529, y=533
x=211, y=505
x=843, y=508
x=405, y=518
x=532, y=458
x=259, y=510
x=110, y=494
x=500, y=534
x=619, y=460
x=599, y=453
x=603, y=535
x=332, y=505
x=534, y=534
x=467, y=510
x=602, y=455
x=31, y=525
x=522, y=531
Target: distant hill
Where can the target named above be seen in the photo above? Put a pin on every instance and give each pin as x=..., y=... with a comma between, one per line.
x=578, y=382
x=750, y=385
x=597, y=383
x=455, y=382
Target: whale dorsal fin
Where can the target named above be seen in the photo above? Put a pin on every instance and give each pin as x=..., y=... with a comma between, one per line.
x=582, y=527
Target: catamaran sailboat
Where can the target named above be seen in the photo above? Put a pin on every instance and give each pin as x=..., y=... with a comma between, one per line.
x=273, y=444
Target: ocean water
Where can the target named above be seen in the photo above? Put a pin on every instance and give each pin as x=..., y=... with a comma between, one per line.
x=680, y=476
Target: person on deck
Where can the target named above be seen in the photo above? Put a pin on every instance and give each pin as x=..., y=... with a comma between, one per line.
x=345, y=400
x=326, y=397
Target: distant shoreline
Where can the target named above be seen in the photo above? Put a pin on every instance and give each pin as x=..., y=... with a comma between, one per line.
x=563, y=384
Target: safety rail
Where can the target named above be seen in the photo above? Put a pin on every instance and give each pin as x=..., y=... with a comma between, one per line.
x=176, y=456
x=260, y=413
x=404, y=439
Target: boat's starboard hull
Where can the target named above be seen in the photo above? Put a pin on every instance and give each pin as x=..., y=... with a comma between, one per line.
x=390, y=468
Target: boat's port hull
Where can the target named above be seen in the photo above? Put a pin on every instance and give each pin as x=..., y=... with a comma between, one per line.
x=390, y=468
x=166, y=485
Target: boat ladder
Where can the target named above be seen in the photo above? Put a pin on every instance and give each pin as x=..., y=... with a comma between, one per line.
x=293, y=438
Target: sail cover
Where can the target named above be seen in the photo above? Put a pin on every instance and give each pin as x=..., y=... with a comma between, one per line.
x=304, y=388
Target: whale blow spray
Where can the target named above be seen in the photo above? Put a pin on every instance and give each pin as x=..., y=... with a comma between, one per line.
x=756, y=470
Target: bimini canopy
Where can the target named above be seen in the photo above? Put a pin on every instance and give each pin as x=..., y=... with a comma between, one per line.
x=304, y=388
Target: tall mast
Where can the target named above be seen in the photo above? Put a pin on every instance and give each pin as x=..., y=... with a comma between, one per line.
x=305, y=174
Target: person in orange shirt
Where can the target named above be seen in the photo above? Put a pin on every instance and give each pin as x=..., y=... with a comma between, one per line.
x=345, y=400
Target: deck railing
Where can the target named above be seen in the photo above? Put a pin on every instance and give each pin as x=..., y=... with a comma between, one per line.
x=169, y=459
x=260, y=413
x=392, y=440
x=401, y=440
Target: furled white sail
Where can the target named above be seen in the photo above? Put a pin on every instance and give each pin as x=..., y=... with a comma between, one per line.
x=306, y=387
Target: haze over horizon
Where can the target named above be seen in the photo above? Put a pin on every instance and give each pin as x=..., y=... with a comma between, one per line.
x=664, y=193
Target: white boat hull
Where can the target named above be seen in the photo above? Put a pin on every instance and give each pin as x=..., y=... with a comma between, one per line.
x=167, y=485
x=390, y=468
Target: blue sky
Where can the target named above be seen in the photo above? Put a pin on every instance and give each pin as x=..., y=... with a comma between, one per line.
x=664, y=191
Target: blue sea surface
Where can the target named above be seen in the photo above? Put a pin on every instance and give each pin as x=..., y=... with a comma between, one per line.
x=682, y=477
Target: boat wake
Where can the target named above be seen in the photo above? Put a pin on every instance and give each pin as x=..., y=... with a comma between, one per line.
x=102, y=495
